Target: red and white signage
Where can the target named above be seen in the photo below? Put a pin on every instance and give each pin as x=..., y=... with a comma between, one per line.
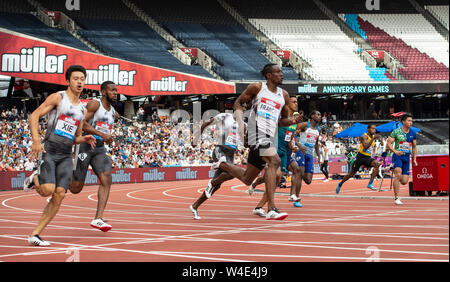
x=31, y=58
x=283, y=54
x=376, y=54
x=14, y=180
x=193, y=52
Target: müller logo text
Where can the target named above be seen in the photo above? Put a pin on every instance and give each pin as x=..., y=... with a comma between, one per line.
x=168, y=84
x=36, y=60
x=33, y=60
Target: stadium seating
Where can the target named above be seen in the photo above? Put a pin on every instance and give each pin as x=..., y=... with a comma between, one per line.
x=440, y=12
x=134, y=41
x=332, y=55
x=15, y=15
x=118, y=33
x=206, y=25
x=418, y=65
x=415, y=31
x=289, y=9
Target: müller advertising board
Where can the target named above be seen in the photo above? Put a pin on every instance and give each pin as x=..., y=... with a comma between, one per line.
x=359, y=88
x=34, y=59
x=14, y=180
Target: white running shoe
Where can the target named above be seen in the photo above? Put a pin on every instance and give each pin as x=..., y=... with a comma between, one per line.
x=326, y=180
x=398, y=202
x=28, y=183
x=100, y=224
x=215, y=166
x=194, y=211
x=274, y=214
x=293, y=198
x=208, y=190
x=251, y=188
x=260, y=212
x=37, y=241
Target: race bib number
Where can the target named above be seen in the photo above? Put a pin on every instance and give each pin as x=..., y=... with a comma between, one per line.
x=288, y=136
x=311, y=140
x=66, y=127
x=232, y=140
x=103, y=127
x=405, y=146
x=268, y=112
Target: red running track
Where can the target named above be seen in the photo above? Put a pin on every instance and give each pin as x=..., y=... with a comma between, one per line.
x=152, y=222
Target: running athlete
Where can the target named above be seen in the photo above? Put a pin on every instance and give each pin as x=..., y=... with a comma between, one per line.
x=99, y=119
x=405, y=146
x=364, y=157
x=268, y=103
x=64, y=127
x=227, y=143
x=324, y=157
x=307, y=142
x=285, y=147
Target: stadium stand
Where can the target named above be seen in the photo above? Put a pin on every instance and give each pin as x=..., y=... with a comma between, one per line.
x=305, y=29
x=331, y=54
x=134, y=41
x=415, y=31
x=438, y=130
x=400, y=30
x=418, y=65
x=118, y=33
x=16, y=16
x=206, y=25
x=440, y=12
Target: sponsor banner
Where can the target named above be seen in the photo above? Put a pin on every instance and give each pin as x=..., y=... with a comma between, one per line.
x=283, y=54
x=359, y=88
x=34, y=59
x=14, y=180
x=379, y=55
x=192, y=52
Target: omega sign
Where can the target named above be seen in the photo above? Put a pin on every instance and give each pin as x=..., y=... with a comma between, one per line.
x=424, y=174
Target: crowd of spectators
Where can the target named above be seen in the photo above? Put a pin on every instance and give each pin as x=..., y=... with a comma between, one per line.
x=156, y=143
x=152, y=143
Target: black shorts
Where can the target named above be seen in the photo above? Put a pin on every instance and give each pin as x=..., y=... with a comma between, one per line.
x=55, y=168
x=255, y=155
x=97, y=158
x=361, y=160
x=220, y=151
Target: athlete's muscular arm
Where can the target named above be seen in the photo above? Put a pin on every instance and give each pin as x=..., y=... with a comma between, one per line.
x=390, y=148
x=301, y=127
x=316, y=147
x=196, y=139
x=285, y=120
x=206, y=124
x=245, y=98
x=414, y=152
x=78, y=139
x=49, y=104
x=365, y=141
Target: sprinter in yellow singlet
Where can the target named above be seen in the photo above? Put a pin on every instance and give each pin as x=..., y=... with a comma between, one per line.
x=364, y=157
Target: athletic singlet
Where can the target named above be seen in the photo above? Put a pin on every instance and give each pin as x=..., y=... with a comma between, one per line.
x=368, y=151
x=309, y=137
x=63, y=122
x=403, y=140
x=285, y=134
x=102, y=121
x=227, y=129
x=264, y=115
